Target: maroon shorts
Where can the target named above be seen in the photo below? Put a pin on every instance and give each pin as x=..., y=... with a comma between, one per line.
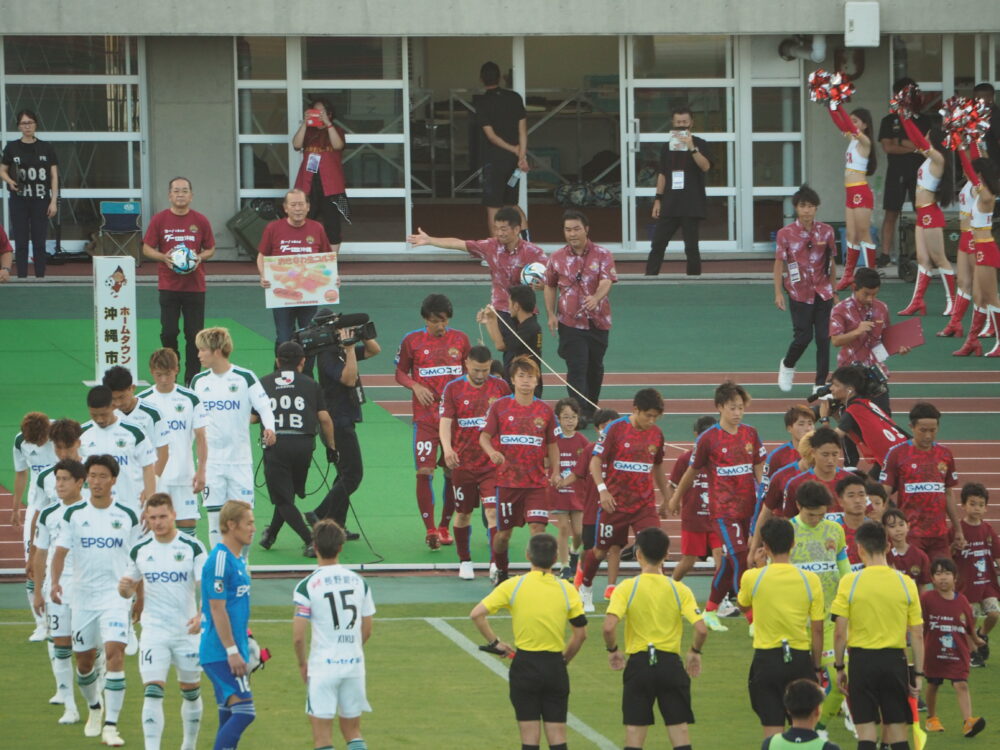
x=696, y=543
x=565, y=501
x=733, y=535
x=515, y=505
x=987, y=253
x=471, y=488
x=967, y=243
x=860, y=196
x=426, y=446
x=612, y=528
x=930, y=216
x=932, y=546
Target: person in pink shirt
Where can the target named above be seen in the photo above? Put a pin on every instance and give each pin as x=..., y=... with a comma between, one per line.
x=579, y=277
x=5, y=263
x=804, y=266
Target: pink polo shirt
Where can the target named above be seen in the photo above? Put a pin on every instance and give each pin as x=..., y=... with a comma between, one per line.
x=807, y=255
x=576, y=277
x=846, y=316
x=505, y=266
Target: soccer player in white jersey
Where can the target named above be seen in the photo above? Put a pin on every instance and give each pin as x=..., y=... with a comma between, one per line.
x=168, y=566
x=338, y=604
x=185, y=418
x=99, y=533
x=106, y=434
x=134, y=409
x=33, y=454
x=69, y=476
x=228, y=393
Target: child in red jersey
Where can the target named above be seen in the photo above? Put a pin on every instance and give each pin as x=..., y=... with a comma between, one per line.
x=853, y=497
x=698, y=541
x=565, y=501
x=903, y=556
x=977, y=565
x=878, y=501
x=949, y=633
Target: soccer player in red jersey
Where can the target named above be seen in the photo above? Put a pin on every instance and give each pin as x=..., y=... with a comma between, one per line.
x=853, y=498
x=774, y=495
x=427, y=360
x=799, y=421
x=464, y=404
x=920, y=472
x=949, y=635
x=904, y=557
x=732, y=455
x=566, y=501
x=698, y=540
x=524, y=429
x=977, y=565
x=626, y=466
x=826, y=458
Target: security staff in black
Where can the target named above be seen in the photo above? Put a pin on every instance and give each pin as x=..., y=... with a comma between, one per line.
x=338, y=374
x=299, y=409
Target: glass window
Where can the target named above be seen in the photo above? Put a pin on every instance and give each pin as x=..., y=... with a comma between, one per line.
x=366, y=110
x=917, y=56
x=372, y=165
x=330, y=57
x=709, y=107
x=102, y=108
x=260, y=57
x=716, y=225
x=776, y=164
x=776, y=109
x=681, y=56
x=376, y=220
x=76, y=55
x=649, y=160
x=263, y=111
x=95, y=164
x=80, y=218
x=264, y=166
x=965, y=64
x=768, y=218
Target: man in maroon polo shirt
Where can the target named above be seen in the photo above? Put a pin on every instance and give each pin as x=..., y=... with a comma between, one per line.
x=293, y=235
x=580, y=276
x=804, y=266
x=180, y=294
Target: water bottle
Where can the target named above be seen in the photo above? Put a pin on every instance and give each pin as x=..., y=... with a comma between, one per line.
x=514, y=178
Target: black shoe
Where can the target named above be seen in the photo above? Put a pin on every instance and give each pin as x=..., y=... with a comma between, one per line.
x=627, y=554
x=309, y=550
x=984, y=650
x=574, y=560
x=977, y=659
x=351, y=536
x=266, y=538
x=502, y=576
x=311, y=518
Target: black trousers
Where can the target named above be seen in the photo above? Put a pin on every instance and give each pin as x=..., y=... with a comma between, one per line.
x=324, y=210
x=29, y=219
x=811, y=320
x=286, y=466
x=665, y=229
x=350, y=472
x=192, y=306
x=583, y=351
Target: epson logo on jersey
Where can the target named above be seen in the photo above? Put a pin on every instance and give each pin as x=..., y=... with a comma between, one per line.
x=122, y=460
x=436, y=372
x=101, y=542
x=734, y=471
x=816, y=566
x=222, y=404
x=469, y=422
x=243, y=590
x=177, y=425
x=165, y=576
x=913, y=488
x=532, y=440
x=636, y=466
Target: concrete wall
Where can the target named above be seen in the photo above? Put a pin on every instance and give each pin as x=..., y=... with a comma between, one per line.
x=192, y=121
x=493, y=17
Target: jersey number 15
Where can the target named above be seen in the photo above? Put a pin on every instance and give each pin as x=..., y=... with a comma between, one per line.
x=344, y=606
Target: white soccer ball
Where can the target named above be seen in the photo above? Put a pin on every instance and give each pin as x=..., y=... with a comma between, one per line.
x=533, y=273
x=183, y=259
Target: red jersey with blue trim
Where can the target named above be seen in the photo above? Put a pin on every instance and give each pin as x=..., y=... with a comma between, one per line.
x=921, y=480
x=629, y=455
x=570, y=450
x=467, y=407
x=695, y=512
x=790, y=507
x=774, y=496
x=522, y=434
x=852, y=545
x=947, y=626
x=729, y=460
x=784, y=454
x=588, y=492
x=432, y=361
x=976, y=562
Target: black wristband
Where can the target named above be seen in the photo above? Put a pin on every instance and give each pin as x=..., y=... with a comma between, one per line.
x=839, y=667
x=612, y=649
x=659, y=196
x=494, y=642
x=696, y=650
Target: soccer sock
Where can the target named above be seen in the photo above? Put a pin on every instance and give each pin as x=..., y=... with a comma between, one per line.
x=867, y=745
x=114, y=696
x=214, y=537
x=490, y=531
x=241, y=716
x=152, y=716
x=191, y=710
x=833, y=701
x=529, y=747
x=462, y=534
x=560, y=746
x=62, y=670
x=749, y=615
x=682, y=747
x=904, y=745
x=224, y=714
x=358, y=743
x=589, y=566
x=720, y=584
x=448, y=504
x=425, y=499
x=502, y=560
x=88, y=687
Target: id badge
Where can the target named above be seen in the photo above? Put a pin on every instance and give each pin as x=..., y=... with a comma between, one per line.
x=312, y=165
x=793, y=273
x=880, y=352
x=677, y=179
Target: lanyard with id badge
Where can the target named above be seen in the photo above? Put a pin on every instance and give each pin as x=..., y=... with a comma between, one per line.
x=312, y=163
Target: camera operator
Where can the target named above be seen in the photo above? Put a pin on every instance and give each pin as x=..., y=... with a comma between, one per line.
x=859, y=418
x=299, y=409
x=338, y=375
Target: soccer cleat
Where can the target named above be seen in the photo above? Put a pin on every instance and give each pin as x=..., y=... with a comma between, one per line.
x=786, y=376
x=309, y=550
x=493, y=573
x=266, y=538
x=984, y=650
x=608, y=591
x=466, y=571
x=57, y=699
x=727, y=608
x=712, y=622
x=921, y=705
x=433, y=540
x=567, y=573
x=502, y=575
x=110, y=736
x=849, y=720
x=933, y=724
x=587, y=597
x=95, y=720
x=40, y=633
x=574, y=560
x=973, y=726
x=977, y=660
x=70, y=716
x=445, y=536
x=351, y=536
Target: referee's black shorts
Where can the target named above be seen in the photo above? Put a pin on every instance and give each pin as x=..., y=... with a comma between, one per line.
x=769, y=676
x=878, y=684
x=665, y=683
x=539, y=686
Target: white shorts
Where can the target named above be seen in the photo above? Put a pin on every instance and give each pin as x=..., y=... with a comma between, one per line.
x=184, y=500
x=329, y=695
x=227, y=482
x=92, y=628
x=157, y=652
x=59, y=618
x=987, y=606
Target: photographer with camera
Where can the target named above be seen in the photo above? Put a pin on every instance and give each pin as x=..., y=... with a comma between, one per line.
x=299, y=410
x=337, y=362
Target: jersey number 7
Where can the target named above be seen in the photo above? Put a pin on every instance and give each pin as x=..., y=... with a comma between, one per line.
x=344, y=606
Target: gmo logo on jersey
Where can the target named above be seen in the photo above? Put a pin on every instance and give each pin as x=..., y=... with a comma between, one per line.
x=734, y=471
x=532, y=440
x=913, y=488
x=436, y=372
x=479, y=422
x=636, y=466
x=101, y=542
x=817, y=566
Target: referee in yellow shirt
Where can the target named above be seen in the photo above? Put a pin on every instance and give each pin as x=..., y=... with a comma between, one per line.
x=540, y=605
x=652, y=606
x=875, y=608
x=788, y=616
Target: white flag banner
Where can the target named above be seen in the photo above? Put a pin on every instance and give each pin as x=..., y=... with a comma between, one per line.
x=115, y=316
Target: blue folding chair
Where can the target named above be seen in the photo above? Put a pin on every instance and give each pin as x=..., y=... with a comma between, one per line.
x=120, y=231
